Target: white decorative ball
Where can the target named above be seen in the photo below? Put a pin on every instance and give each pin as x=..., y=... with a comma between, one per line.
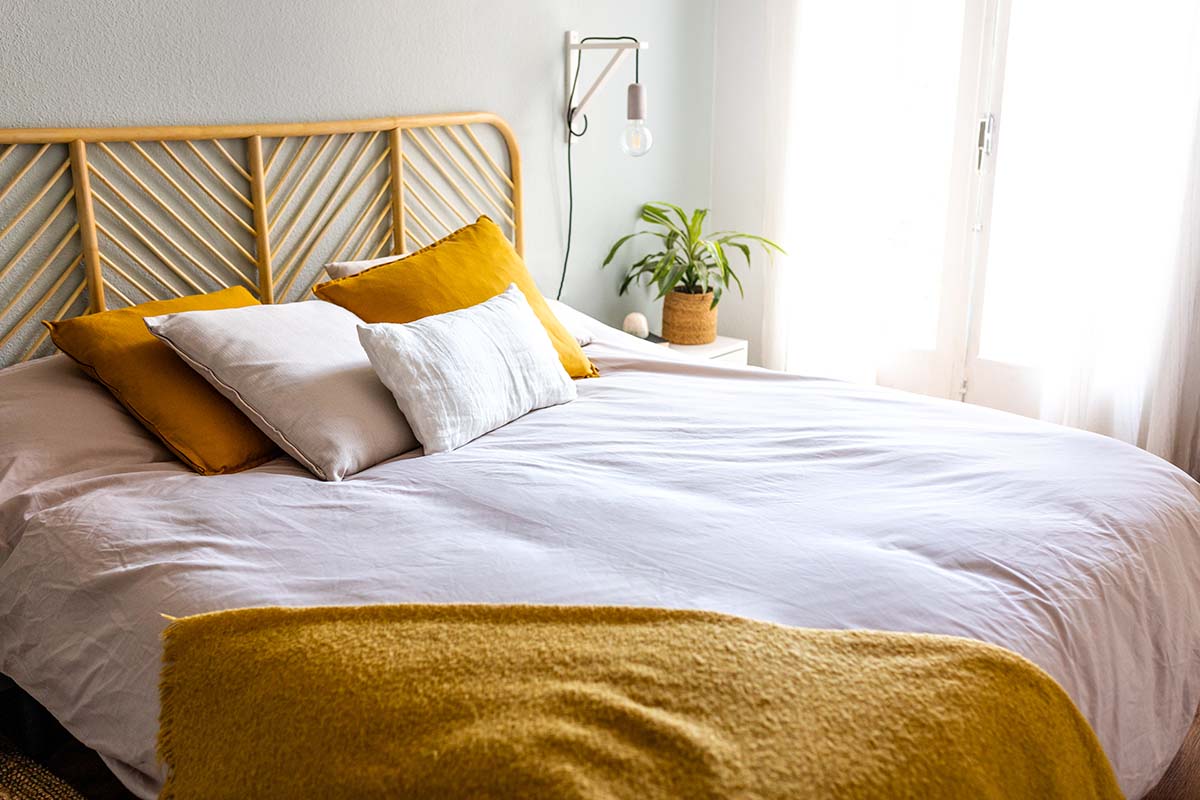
x=635, y=324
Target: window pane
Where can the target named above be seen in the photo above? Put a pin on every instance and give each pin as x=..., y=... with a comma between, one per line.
x=876, y=88
x=1093, y=148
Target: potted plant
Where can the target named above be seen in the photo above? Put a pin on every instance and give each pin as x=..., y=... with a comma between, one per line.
x=691, y=270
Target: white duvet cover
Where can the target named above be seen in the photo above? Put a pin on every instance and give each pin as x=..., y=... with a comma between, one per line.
x=667, y=483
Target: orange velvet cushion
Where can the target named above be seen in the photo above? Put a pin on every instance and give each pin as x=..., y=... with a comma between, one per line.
x=204, y=429
x=469, y=266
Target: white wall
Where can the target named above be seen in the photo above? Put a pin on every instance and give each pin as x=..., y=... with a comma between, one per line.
x=739, y=147
x=129, y=62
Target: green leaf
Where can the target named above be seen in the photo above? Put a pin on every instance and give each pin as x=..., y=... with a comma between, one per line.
x=656, y=216
x=743, y=248
x=672, y=278
x=642, y=264
x=697, y=223
x=721, y=265
x=724, y=259
x=613, y=252
x=659, y=205
x=738, y=281
x=729, y=236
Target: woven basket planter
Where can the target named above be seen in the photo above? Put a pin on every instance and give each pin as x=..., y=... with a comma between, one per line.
x=689, y=318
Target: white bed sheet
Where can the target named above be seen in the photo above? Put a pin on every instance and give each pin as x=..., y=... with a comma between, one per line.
x=667, y=483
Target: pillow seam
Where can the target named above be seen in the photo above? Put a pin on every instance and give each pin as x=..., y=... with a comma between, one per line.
x=298, y=454
x=317, y=289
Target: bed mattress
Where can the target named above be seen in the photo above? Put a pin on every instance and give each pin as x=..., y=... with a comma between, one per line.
x=668, y=483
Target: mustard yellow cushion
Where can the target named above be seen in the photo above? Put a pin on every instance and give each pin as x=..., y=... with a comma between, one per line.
x=469, y=266
x=200, y=426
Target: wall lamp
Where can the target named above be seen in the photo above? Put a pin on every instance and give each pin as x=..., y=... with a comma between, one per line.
x=636, y=138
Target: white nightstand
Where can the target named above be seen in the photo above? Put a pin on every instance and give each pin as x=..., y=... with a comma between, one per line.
x=725, y=350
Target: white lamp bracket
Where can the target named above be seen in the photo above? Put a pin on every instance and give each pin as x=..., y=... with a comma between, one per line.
x=619, y=51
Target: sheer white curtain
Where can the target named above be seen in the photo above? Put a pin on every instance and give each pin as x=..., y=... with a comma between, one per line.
x=1090, y=260
x=1092, y=208
x=778, y=75
x=1169, y=424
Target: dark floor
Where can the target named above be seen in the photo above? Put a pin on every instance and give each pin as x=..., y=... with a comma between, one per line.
x=39, y=736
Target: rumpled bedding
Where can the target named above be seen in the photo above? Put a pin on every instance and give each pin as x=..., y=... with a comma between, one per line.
x=669, y=483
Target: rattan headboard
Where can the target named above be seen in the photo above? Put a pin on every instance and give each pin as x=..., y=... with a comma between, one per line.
x=98, y=218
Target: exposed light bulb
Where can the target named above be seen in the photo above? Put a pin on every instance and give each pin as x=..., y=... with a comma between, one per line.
x=636, y=138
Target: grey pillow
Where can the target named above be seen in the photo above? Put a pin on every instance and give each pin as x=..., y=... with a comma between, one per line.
x=299, y=373
x=344, y=269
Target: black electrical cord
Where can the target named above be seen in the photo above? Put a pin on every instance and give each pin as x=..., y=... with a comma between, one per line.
x=571, y=134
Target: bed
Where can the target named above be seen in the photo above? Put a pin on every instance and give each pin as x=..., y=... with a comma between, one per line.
x=668, y=483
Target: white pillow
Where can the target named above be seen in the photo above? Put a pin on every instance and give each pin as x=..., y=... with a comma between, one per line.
x=458, y=375
x=576, y=322
x=344, y=269
x=299, y=373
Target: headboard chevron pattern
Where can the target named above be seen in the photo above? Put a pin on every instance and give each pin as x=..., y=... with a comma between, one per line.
x=98, y=218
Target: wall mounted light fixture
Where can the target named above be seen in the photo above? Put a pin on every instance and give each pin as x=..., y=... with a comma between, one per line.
x=635, y=137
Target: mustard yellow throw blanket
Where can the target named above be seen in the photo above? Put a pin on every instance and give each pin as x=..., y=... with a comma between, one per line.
x=427, y=701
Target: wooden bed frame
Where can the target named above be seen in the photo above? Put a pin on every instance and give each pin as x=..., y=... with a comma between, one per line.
x=99, y=218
